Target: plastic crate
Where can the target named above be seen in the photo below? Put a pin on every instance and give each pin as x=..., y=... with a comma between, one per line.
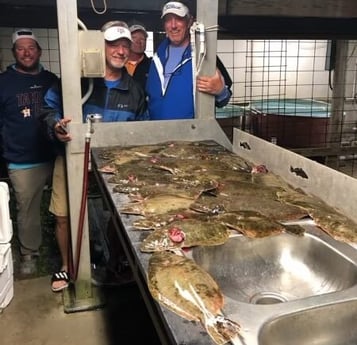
x=5, y=220
x=6, y=276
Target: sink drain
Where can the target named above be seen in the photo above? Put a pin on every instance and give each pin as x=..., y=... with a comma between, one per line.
x=267, y=298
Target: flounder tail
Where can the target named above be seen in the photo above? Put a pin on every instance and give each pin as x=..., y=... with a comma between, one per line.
x=223, y=330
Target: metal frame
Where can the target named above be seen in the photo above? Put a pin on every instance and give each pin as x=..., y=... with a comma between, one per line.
x=84, y=296
x=207, y=13
x=205, y=127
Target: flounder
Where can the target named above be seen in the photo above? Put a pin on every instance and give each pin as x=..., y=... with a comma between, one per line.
x=334, y=223
x=185, y=233
x=159, y=221
x=189, y=149
x=255, y=225
x=118, y=155
x=251, y=224
x=182, y=188
x=158, y=204
x=180, y=285
x=271, y=208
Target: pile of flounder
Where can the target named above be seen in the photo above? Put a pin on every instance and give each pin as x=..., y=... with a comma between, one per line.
x=197, y=194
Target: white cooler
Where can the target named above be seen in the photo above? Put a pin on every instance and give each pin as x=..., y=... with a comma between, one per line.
x=6, y=264
x=5, y=221
x=6, y=276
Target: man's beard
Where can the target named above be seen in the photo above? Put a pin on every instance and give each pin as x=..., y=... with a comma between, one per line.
x=28, y=69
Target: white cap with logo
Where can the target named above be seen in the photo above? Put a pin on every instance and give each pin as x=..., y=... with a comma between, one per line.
x=115, y=30
x=23, y=33
x=175, y=7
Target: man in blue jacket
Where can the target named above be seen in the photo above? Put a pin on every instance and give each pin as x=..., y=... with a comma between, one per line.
x=117, y=97
x=170, y=86
x=26, y=150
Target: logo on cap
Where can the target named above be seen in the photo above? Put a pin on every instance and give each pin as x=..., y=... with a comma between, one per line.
x=116, y=32
x=175, y=7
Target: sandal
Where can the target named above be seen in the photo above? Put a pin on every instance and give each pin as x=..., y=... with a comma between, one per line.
x=61, y=276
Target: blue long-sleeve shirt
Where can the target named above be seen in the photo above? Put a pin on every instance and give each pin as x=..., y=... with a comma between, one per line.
x=21, y=99
x=171, y=96
x=121, y=100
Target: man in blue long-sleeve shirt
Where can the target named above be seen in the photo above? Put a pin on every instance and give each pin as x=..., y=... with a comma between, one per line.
x=170, y=85
x=117, y=97
x=27, y=153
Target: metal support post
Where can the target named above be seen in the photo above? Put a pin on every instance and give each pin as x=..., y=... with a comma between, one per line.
x=338, y=100
x=81, y=295
x=207, y=13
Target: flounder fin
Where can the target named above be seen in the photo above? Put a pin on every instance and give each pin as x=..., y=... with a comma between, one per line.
x=223, y=330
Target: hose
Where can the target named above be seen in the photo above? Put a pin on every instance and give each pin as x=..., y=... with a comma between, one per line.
x=91, y=118
x=83, y=207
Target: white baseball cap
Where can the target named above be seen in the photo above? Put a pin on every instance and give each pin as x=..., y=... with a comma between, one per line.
x=23, y=33
x=116, y=30
x=175, y=7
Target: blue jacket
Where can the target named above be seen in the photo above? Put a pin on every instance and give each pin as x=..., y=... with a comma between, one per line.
x=21, y=98
x=115, y=104
x=125, y=102
x=176, y=100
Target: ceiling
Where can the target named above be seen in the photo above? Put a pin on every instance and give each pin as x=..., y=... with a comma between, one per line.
x=331, y=19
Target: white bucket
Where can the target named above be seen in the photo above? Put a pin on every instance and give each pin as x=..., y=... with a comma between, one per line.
x=5, y=220
x=6, y=276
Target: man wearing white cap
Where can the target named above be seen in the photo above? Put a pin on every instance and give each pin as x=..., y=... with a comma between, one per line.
x=138, y=63
x=28, y=154
x=117, y=97
x=170, y=86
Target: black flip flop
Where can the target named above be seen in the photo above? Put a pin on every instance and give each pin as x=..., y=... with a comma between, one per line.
x=57, y=277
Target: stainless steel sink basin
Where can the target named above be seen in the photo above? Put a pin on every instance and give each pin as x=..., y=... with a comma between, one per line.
x=277, y=269
x=334, y=324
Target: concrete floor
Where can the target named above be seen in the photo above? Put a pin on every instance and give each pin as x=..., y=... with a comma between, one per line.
x=36, y=316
